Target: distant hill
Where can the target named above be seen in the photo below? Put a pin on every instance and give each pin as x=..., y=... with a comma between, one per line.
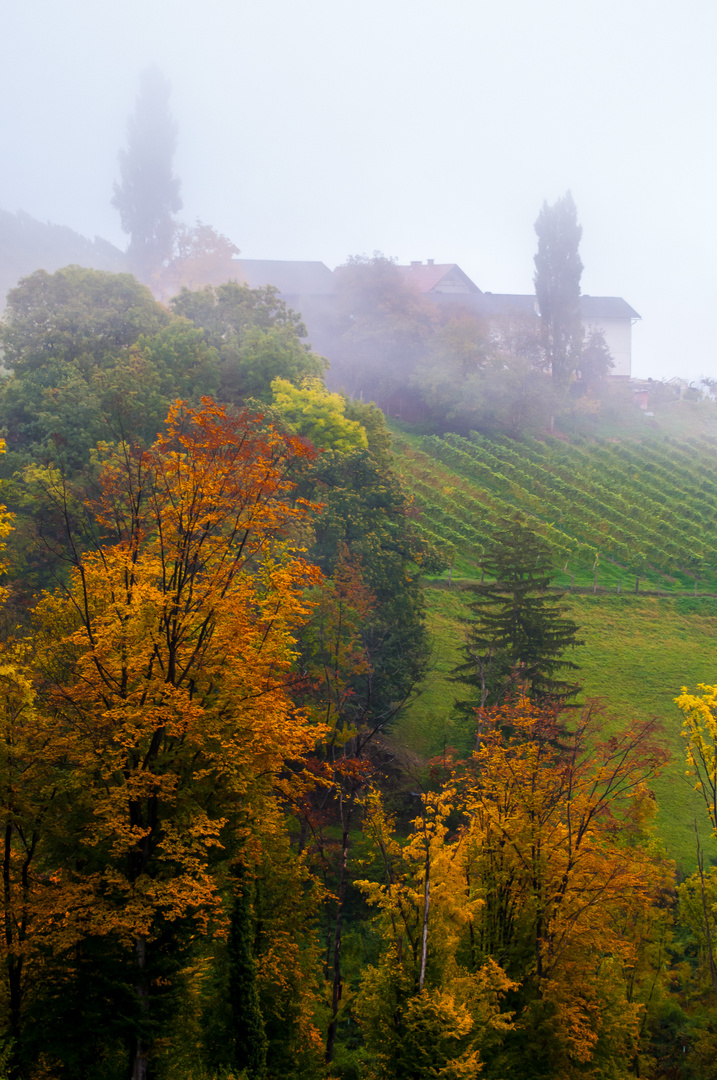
x=27, y=245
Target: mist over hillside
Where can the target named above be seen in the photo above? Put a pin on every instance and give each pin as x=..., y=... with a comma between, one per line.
x=27, y=245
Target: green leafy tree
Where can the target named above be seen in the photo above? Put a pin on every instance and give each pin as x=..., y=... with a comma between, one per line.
x=368, y=515
x=557, y=286
x=257, y=337
x=518, y=631
x=148, y=193
x=94, y=360
x=75, y=316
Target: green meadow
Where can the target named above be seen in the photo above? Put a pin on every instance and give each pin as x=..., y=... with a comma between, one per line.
x=638, y=653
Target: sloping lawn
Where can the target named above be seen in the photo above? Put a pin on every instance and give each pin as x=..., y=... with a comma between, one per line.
x=638, y=653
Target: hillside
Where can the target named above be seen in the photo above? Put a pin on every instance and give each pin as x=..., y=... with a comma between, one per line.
x=27, y=245
x=601, y=506
x=638, y=653
x=611, y=510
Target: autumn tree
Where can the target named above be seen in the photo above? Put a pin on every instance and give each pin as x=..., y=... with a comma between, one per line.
x=200, y=256
x=166, y=664
x=425, y=1008
x=508, y=914
x=557, y=286
x=558, y=841
x=311, y=410
x=518, y=632
x=147, y=195
x=698, y=895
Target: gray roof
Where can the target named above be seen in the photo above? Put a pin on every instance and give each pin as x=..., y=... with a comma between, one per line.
x=289, y=277
x=298, y=278
x=591, y=307
x=507, y=304
x=606, y=307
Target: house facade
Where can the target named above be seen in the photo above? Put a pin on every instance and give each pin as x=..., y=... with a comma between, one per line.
x=611, y=315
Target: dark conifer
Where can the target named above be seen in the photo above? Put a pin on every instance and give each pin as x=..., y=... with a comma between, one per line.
x=518, y=632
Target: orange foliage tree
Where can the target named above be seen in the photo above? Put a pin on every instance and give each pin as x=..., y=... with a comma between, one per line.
x=559, y=851
x=529, y=876
x=166, y=666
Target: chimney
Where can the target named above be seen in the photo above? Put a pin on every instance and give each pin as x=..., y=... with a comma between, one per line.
x=429, y=262
x=416, y=263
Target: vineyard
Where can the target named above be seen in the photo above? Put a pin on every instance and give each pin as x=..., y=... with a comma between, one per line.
x=616, y=514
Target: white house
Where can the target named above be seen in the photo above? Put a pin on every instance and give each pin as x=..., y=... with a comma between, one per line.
x=446, y=283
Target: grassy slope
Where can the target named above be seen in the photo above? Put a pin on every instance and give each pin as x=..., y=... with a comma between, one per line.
x=638, y=653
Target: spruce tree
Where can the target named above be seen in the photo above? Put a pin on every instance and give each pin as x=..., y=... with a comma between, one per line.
x=148, y=194
x=557, y=286
x=518, y=632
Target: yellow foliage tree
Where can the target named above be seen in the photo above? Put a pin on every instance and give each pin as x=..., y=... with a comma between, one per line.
x=424, y=1010
x=166, y=665
x=558, y=824
x=698, y=895
x=319, y=415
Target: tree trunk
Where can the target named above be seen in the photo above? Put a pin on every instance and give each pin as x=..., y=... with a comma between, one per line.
x=336, y=986
x=706, y=915
x=140, y=1049
x=426, y=903
x=247, y=1034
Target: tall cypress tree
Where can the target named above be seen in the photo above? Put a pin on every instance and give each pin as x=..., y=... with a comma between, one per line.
x=558, y=269
x=148, y=194
x=518, y=631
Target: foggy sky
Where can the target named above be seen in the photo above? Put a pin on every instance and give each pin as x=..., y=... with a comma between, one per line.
x=316, y=129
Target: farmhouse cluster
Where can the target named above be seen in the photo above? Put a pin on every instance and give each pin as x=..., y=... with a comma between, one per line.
x=309, y=287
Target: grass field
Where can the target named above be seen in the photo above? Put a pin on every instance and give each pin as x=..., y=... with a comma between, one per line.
x=638, y=653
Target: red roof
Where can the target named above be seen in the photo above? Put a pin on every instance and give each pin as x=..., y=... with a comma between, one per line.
x=438, y=277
